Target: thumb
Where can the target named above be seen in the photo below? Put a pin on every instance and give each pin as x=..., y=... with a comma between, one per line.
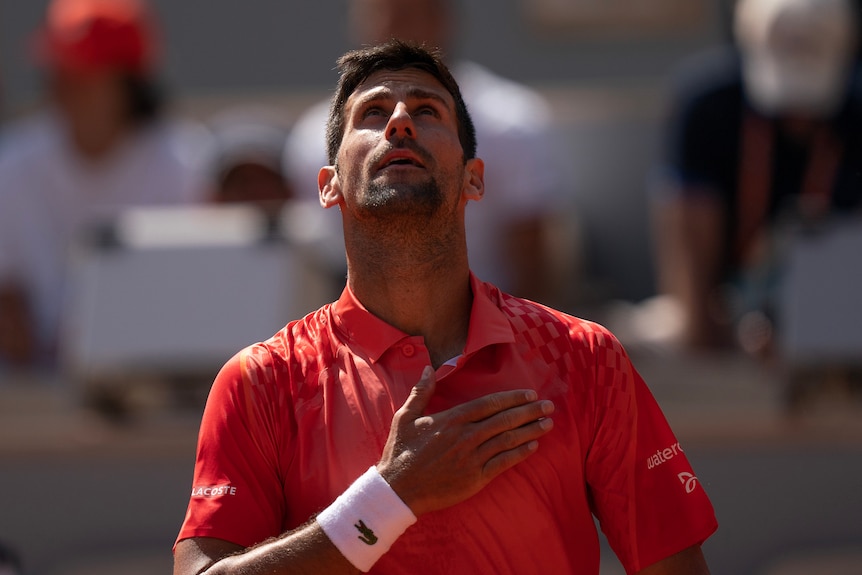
x=420, y=395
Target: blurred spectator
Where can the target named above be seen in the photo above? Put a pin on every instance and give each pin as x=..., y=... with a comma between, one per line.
x=506, y=238
x=101, y=145
x=248, y=149
x=10, y=563
x=768, y=130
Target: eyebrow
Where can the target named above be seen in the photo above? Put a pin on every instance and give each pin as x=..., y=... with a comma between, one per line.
x=415, y=93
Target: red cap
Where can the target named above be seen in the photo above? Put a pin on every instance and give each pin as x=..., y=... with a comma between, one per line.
x=94, y=35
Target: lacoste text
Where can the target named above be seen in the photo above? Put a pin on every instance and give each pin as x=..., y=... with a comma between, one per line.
x=213, y=490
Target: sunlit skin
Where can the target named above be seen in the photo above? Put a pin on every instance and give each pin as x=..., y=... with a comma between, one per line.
x=402, y=184
x=401, y=147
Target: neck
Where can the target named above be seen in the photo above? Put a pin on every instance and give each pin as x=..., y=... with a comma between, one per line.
x=419, y=285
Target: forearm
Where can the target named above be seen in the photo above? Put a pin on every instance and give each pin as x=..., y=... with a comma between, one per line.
x=347, y=537
x=306, y=550
x=689, y=239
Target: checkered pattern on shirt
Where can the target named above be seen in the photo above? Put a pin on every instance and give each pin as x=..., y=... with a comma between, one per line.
x=600, y=372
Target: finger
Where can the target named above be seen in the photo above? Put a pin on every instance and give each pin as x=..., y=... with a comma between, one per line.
x=508, y=459
x=513, y=439
x=492, y=404
x=417, y=402
x=511, y=418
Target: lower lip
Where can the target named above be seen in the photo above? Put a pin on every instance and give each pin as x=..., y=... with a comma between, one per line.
x=400, y=167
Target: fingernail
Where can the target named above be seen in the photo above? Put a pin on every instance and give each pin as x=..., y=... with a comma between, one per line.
x=547, y=407
x=533, y=445
x=531, y=395
x=546, y=424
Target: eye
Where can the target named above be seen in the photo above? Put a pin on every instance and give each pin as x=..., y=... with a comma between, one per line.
x=425, y=111
x=372, y=111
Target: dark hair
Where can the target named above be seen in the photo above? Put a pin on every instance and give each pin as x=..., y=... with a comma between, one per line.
x=357, y=65
x=145, y=98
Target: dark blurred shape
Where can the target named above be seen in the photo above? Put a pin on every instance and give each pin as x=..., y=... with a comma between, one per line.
x=760, y=134
x=248, y=148
x=10, y=561
x=758, y=201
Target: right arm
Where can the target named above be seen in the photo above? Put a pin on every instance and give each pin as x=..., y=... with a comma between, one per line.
x=430, y=461
x=304, y=550
x=689, y=240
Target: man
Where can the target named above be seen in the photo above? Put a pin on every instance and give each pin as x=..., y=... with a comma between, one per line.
x=101, y=146
x=247, y=163
x=758, y=135
x=470, y=474
x=508, y=238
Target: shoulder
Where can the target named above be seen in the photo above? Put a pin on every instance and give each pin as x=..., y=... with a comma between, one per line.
x=31, y=149
x=285, y=364
x=584, y=335
x=30, y=139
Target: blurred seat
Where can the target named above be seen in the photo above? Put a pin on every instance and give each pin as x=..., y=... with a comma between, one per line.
x=177, y=291
x=819, y=312
x=820, y=296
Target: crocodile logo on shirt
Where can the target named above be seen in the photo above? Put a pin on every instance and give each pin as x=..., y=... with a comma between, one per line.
x=368, y=537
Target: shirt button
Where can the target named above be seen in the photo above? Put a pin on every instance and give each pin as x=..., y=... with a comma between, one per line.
x=408, y=350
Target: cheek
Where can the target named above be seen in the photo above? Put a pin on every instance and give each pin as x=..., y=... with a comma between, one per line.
x=354, y=149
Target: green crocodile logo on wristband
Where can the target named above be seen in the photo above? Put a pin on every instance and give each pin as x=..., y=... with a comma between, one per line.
x=368, y=537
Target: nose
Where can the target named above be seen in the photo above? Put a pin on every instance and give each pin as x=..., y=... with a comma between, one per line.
x=400, y=123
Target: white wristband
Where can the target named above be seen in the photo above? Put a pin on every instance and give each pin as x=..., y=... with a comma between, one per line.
x=364, y=521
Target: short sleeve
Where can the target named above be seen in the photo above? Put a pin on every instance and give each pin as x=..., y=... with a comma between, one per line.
x=647, y=498
x=237, y=491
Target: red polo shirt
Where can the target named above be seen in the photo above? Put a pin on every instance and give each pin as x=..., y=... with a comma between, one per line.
x=292, y=421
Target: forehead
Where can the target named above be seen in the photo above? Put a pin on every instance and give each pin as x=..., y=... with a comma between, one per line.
x=400, y=84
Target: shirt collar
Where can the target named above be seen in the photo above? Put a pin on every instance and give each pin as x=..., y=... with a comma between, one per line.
x=362, y=329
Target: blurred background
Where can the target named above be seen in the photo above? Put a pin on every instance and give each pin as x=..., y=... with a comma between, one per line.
x=116, y=314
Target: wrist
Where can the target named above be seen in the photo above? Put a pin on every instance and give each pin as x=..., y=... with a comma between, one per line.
x=365, y=520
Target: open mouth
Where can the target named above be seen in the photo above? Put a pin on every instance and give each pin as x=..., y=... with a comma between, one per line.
x=401, y=162
x=400, y=158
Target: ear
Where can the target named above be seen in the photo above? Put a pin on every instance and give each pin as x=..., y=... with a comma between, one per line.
x=474, y=179
x=329, y=187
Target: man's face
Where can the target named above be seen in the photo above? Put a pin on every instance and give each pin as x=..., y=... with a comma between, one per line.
x=400, y=153
x=91, y=101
